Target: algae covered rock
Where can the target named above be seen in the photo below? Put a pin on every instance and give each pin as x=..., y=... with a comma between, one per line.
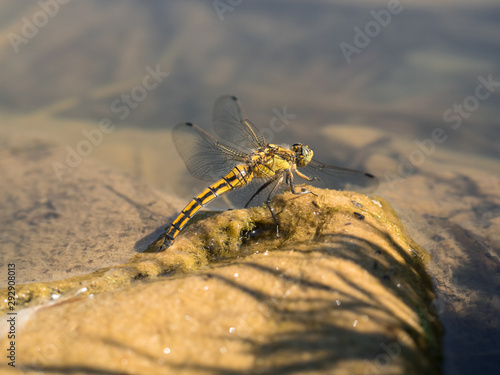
x=342, y=291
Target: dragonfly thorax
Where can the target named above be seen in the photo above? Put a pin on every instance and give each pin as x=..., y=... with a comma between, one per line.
x=303, y=154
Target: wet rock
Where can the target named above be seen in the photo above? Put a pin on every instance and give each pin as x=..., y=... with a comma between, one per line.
x=221, y=300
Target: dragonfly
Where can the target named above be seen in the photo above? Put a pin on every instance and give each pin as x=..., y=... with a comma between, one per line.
x=245, y=167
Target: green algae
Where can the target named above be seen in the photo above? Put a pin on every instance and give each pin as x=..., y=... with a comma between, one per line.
x=343, y=277
x=237, y=233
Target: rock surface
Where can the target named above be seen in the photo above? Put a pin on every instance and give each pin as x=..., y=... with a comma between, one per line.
x=342, y=291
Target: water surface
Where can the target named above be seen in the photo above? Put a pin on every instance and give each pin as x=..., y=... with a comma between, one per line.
x=414, y=100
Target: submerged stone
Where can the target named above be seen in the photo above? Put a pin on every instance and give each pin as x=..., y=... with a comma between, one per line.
x=334, y=294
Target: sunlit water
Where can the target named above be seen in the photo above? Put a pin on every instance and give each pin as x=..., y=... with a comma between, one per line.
x=407, y=92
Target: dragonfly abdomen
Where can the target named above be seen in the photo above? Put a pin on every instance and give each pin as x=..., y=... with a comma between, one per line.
x=238, y=177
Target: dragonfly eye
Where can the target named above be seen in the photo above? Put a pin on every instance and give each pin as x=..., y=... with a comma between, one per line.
x=303, y=154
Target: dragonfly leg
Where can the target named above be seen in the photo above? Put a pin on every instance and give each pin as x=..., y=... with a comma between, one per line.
x=268, y=204
x=292, y=185
x=300, y=174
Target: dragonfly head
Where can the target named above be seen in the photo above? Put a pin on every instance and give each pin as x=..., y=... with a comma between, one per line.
x=303, y=154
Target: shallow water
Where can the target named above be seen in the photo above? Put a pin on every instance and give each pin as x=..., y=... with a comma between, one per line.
x=416, y=104
x=343, y=290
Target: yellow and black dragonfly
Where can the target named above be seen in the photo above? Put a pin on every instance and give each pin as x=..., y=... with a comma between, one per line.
x=247, y=168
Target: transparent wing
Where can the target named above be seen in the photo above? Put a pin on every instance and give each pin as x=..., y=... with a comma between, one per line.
x=255, y=193
x=329, y=176
x=232, y=125
x=204, y=156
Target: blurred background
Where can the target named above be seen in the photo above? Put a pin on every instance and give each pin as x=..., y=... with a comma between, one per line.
x=364, y=83
x=78, y=60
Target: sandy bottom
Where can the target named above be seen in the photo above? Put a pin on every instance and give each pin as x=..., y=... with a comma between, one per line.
x=326, y=298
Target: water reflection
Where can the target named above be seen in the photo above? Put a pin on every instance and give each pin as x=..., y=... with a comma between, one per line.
x=404, y=104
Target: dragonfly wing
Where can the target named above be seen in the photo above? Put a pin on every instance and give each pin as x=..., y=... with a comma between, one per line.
x=329, y=176
x=204, y=156
x=255, y=193
x=231, y=124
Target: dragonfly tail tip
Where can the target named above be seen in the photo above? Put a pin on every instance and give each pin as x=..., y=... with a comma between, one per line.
x=166, y=244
